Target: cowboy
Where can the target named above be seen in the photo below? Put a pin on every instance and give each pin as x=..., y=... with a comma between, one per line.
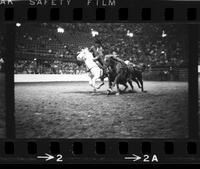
x=97, y=52
x=115, y=55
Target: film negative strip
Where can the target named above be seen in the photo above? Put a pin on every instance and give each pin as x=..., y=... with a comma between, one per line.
x=99, y=81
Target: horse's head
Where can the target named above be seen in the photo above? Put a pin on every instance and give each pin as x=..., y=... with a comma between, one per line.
x=112, y=60
x=108, y=60
x=82, y=55
x=142, y=67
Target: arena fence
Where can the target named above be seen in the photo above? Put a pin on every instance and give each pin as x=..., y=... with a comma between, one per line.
x=22, y=78
x=152, y=75
x=166, y=75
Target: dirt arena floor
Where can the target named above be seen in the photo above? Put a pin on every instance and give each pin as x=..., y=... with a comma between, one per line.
x=2, y=105
x=71, y=110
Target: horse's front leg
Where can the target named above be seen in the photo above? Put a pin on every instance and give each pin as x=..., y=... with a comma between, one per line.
x=102, y=77
x=116, y=80
x=109, y=85
x=94, y=79
x=102, y=83
x=130, y=83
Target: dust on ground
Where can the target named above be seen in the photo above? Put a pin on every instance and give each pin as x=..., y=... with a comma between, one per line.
x=72, y=110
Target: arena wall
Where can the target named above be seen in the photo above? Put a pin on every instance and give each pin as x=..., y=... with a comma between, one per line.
x=165, y=75
x=150, y=75
x=22, y=78
x=2, y=77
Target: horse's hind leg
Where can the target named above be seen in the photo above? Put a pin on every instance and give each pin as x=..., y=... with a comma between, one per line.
x=141, y=82
x=116, y=81
x=142, y=85
x=130, y=83
x=118, y=90
x=126, y=86
x=136, y=80
x=138, y=84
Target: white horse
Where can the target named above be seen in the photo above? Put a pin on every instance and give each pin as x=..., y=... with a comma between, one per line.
x=94, y=71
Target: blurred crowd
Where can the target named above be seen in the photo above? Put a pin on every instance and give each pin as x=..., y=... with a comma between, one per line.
x=2, y=49
x=41, y=48
x=55, y=67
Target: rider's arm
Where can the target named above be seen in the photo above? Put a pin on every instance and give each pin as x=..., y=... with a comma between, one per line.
x=91, y=48
x=117, y=58
x=95, y=58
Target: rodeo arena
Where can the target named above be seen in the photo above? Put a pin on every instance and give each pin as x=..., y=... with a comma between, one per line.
x=100, y=80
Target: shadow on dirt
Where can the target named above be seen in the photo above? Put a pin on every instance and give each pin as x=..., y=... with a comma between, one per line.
x=99, y=93
x=85, y=92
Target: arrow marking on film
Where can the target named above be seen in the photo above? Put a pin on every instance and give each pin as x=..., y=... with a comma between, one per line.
x=47, y=157
x=134, y=157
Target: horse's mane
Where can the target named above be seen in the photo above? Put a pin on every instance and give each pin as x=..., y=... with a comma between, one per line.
x=115, y=60
x=118, y=60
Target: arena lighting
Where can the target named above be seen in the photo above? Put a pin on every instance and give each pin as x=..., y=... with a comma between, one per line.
x=163, y=34
x=94, y=33
x=18, y=24
x=1, y=60
x=129, y=34
x=60, y=30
